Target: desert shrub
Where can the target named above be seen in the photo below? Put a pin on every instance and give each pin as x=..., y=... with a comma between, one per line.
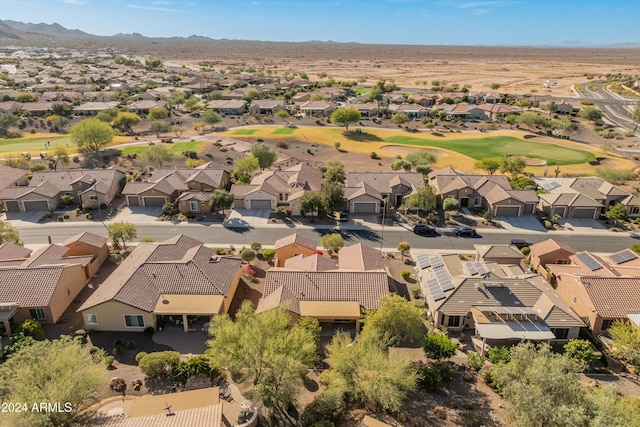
x=499, y=355
x=219, y=251
x=281, y=144
x=405, y=274
x=474, y=361
x=160, y=364
x=419, y=303
x=373, y=155
x=256, y=246
x=547, y=224
x=268, y=254
x=197, y=365
x=31, y=328
x=247, y=255
x=440, y=412
x=635, y=247
x=108, y=360
x=81, y=333
x=140, y=355
x=431, y=376
x=326, y=408
x=439, y=346
x=149, y=330
x=525, y=251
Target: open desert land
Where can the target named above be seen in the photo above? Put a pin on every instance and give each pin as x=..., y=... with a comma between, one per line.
x=458, y=150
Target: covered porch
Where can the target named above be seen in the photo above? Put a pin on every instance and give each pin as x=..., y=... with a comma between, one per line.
x=7, y=311
x=187, y=311
x=507, y=324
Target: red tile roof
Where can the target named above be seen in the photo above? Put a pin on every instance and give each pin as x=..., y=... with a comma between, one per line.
x=297, y=239
x=613, y=297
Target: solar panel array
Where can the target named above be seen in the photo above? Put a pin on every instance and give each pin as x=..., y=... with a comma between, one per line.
x=422, y=261
x=624, y=256
x=472, y=268
x=550, y=185
x=441, y=282
x=589, y=261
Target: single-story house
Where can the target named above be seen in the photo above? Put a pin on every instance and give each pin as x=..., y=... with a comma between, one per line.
x=267, y=107
x=293, y=245
x=142, y=107
x=228, y=107
x=393, y=186
x=363, y=198
x=89, y=109
x=500, y=254
x=161, y=283
x=318, y=108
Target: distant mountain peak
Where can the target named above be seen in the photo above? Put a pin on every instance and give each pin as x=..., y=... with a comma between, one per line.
x=54, y=29
x=134, y=35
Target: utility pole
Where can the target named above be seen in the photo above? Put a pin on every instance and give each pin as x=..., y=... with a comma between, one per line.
x=384, y=211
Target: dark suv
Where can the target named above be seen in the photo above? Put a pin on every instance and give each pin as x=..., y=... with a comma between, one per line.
x=424, y=230
x=465, y=231
x=520, y=243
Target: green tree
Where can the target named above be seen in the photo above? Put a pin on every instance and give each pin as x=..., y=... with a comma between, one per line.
x=332, y=242
x=531, y=120
x=158, y=154
x=345, y=117
x=158, y=113
x=178, y=130
x=397, y=320
x=494, y=86
x=62, y=371
x=125, y=121
x=475, y=362
x=159, y=126
x=221, y=200
x=268, y=254
x=438, y=346
x=243, y=167
x=592, y=114
x=423, y=198
x=332, y=196
x=271, y=356
x=153, y=63
x=403, y=248
x=248, y=255
x=266, y=155
x=7, y=121
x=337, y=144
x=31, y=328
x=91, y=134
x=513, y=165
x=610, y=409
x=8, y=233
x=581, y=352
x=398, y=164
x=450, y=204
x=552, y=108
x=617, y=212
x=309, y=202
x=335, y=172
x=366, y=372
x=160, y=364
x=499, y=355
x=540, y=387
x=626, y=342
x=400, y=119
x=284, y=115
x=61, y=154
x=23, y=97
x=192, y=105
x=107, y=115
x=635, y=116
x=210, y=118
x=490, y=164
x=421, y=157
x=123, y=232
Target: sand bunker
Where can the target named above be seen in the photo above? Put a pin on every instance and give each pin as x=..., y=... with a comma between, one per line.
x=404, y=150
x=532, y=161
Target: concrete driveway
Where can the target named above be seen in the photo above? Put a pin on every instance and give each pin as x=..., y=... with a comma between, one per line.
x=520, y=224
x=249, y=217
x=25, y=218
x=581, y=224
x=137, y=214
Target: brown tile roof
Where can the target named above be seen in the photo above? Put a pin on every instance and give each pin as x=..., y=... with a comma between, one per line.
x=29, y=287
x=54, y=255
x=298, y=239
x=314, y=262
x=549, y=246
x=365, y=287
x=181, y=265
x=362, y=189
x=10, y=251
x=10, y=175
x=360, y=257
x=87, y=238
x=383, y=181
x=613, y=297
x=194, y=195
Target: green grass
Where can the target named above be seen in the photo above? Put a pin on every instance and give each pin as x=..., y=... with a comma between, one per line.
x=178, y=147
x=480, y=148
x=283, y=131
x=32, y=144
x=244, y=131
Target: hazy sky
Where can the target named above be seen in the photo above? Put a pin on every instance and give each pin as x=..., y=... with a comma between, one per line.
x=490, y=22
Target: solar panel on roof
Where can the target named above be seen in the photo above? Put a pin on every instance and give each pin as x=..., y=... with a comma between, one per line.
x=435, y=290
x=622, y=257
x=550, y=185
x=422, y=260
x=436, y=261
x=447, y=285
x=589, y=261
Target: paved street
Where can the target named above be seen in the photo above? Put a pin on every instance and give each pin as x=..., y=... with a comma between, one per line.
x=598, y=241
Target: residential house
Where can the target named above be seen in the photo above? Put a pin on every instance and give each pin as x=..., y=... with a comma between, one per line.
x=90, y=109
x=267, y=107
x=585, y=197
x=92, y=188
x=333, y=296
x=9, y=107
x=492, y=98
x=162, y=284
x=366, y=109
x=500, y=254
x=43, y=284
x=270, y=189
x=318, y=108
x=499, y=110
x=142, y=108
x=167, y=185
x=12, y=177
x=485, y=192
x=36, y=109
x=499, y=304
x=463, y=110
x=363, y=198
x=393, y=186
x=413, y=111
x=424, y=99
x=293, y=245
x=67, y=96
x=548, y=252
x=228, y=107
x=600, y=289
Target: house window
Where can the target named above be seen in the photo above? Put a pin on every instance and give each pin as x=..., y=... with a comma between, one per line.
x=37, y=313
x=560, y=333
x=635, y=210
x=93, y=197
x=207, y=190
x=193, y=206
x=478, y=201
x=284, y=197
x=133, y=321
x=453, y=321
x=606, y=324
x=91, y=319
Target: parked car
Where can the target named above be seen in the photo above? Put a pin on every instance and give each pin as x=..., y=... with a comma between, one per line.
x=634, y=235
x=520, y=243
x=465, y=231
x=424, y=230
x=342, y=216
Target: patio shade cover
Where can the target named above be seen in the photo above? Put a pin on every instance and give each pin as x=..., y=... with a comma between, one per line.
x=189, y=304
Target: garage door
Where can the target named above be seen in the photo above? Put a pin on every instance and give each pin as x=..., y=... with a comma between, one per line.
x=260, y=204
x=584, y=213
x=133, y=201
x=36, y=205
x=558, y=211
x=12, y=206
x=529, y=209
x=507, y=211
x=238, y=203
x=364, y=207
x=154, y=201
